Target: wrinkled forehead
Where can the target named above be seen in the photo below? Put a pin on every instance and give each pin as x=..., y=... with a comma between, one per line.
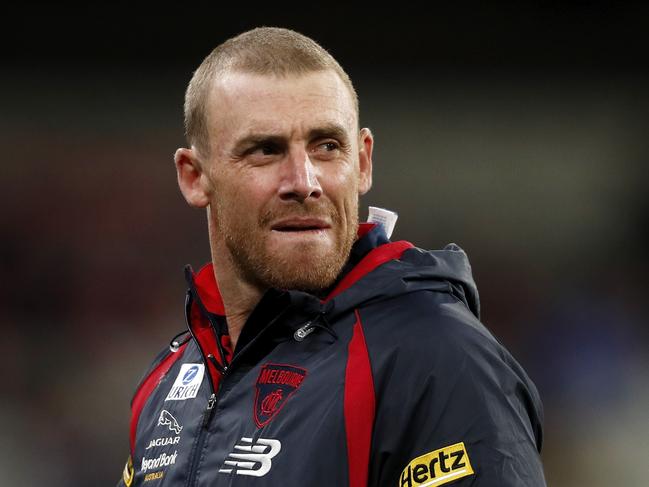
x=244, y=102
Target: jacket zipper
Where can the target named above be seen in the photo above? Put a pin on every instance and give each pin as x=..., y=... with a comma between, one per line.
x=202, y=433
x=208, y=414
x=211, y=402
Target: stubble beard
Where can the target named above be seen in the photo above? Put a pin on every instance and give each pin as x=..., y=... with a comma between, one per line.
x=306, y=267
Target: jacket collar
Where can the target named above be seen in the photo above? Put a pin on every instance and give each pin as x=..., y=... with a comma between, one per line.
x=371, y=237
x=206, y=313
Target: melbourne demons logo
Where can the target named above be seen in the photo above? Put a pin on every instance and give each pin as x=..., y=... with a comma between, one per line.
x=275, y=384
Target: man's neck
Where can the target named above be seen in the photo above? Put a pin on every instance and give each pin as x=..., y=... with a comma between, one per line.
x=239, y=296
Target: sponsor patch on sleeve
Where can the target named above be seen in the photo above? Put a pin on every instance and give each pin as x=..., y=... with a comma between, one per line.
x=437, y=467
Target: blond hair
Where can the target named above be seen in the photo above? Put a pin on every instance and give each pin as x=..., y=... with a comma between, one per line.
x=264, y=50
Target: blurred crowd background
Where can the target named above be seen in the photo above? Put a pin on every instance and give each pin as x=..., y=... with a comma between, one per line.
x=518, y=131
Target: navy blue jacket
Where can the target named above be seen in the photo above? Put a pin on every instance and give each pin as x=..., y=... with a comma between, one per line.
x=389, y=380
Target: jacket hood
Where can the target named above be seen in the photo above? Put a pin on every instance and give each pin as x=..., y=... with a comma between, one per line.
x=403, y=268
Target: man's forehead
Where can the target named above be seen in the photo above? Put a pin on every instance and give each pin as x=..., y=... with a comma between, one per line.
x=286, y=129
x=251, y=104
x=240, y=82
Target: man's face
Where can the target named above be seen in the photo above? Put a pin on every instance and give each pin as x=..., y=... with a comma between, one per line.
x=285, y=169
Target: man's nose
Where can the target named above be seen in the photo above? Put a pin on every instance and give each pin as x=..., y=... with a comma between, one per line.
x=300, y=177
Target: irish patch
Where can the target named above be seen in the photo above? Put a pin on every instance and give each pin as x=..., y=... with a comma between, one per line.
x=275, y=384
x=437, y=467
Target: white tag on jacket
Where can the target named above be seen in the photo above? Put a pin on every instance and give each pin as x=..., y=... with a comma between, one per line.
x=383, y=217
x=187, y=383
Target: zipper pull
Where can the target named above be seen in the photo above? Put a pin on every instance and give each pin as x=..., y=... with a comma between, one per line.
x=304, y=331
x=211, y=402
x=210, y=409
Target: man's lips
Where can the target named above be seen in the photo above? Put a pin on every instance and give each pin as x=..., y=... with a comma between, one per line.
x=300, y=225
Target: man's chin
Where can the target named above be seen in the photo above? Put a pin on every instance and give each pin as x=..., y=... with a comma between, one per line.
x=313, y=274
x=305, y=263
x=303, y=253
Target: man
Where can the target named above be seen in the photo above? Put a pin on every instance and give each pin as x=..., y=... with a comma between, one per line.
x=318, y=353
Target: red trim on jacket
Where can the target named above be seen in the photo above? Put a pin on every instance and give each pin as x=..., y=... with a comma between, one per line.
x=208, y=289
x=146, y=388
x=376, y=257
x=364, y=228
x=359, y=407
x=206, y=337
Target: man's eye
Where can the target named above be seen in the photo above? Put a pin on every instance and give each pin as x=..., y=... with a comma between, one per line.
x=330, y=146
x=266, y=149
x=327, y=147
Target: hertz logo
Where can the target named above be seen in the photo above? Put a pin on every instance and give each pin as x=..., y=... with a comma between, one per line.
x=437, y=467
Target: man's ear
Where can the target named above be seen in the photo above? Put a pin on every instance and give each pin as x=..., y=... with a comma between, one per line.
x=366, y=145
x=191, y=178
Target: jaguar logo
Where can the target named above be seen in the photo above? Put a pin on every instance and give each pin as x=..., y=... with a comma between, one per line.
x=166, y=419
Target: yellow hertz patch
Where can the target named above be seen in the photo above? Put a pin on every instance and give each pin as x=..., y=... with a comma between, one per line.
x=128, y=472
x=437, y=467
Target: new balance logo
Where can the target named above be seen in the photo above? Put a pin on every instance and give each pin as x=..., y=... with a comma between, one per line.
x=252, y=458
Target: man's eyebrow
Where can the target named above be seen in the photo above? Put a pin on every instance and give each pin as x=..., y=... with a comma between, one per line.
x=332, y=130
x=253, y=140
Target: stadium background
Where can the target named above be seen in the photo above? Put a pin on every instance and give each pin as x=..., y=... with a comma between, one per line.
x=518, y=131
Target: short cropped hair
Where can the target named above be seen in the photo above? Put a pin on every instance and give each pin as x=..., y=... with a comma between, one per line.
x=264, y=50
